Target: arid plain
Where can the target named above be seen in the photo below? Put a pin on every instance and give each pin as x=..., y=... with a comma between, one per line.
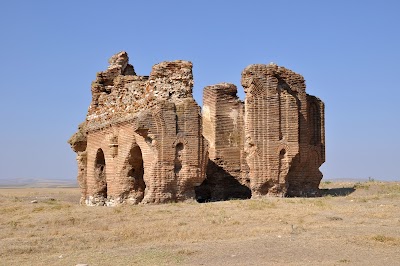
x=353, y=223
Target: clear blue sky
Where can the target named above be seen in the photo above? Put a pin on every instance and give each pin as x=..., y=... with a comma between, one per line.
x=348, y=52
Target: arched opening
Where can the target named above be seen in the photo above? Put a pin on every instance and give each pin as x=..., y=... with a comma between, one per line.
x=283, y=167
x=135, y=172
x=178, y=158
x=100, y=173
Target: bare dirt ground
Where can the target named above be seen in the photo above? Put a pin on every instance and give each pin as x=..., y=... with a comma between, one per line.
x=352, y=224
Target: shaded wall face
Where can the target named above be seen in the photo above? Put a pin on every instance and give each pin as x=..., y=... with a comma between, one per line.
x=304, y=176
x=316, y=114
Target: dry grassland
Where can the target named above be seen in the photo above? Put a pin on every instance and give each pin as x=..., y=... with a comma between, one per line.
x=352, y=224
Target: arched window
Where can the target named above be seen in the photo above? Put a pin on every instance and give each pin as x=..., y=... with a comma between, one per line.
x=282, y=171
x=136, y=172
x=178, y=157
x=100, y=173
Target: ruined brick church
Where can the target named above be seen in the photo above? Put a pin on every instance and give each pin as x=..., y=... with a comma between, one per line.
x=146, y=140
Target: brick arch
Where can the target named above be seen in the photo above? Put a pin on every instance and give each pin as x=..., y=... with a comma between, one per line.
x=179, y=150
x=100, y=173
x=283, y=165
x=133, y=173
x=147, y=143
x=283, y=147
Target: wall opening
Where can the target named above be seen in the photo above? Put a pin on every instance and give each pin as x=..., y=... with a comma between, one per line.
x=178, y=158
x=135, y=173
x=282, y=167
x=100, y=173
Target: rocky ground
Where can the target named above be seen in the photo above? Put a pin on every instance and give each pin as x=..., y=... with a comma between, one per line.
x=352, y=224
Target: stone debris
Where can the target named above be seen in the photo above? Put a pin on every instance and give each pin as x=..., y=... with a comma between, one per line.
x=146, y=140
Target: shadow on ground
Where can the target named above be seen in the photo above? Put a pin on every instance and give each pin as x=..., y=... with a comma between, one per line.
x=337, y=192
x=220, y=185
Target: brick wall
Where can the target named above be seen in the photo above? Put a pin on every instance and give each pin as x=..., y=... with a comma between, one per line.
x=144, y=139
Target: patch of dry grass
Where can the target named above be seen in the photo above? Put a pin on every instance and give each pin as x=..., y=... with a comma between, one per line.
x=57, y=231
x=395, y=241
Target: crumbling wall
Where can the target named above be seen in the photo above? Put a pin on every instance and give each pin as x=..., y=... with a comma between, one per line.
x=78, y=143
x=145, y=141
x=149, y=131
x=305, y=176
x=223, y=128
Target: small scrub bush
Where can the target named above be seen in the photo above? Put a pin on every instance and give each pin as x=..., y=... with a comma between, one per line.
x=319, y=203
x=14, y=224
x=360, y=185
x=9, y=210
x=382, y=238
x=16, y=199
x=38, y=209
x=260, y=205
x=386, y=240
x=187, y=252
x=50, y=201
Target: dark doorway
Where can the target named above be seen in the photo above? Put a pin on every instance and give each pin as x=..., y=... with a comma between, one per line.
x=135, y=173
x=100, y=173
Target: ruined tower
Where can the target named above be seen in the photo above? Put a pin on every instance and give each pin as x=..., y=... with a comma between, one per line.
x=145, y=141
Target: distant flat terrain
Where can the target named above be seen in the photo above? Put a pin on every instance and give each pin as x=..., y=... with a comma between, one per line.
x=37, y=182
x=72, y=182
x=354, y=223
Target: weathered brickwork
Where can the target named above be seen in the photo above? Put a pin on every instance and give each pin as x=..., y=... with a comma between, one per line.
x=142, y=139
x=223, y=125
x=145, y=139
x=279, y=120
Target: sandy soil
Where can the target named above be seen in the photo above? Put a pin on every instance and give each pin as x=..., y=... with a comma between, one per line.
x=352, y=224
